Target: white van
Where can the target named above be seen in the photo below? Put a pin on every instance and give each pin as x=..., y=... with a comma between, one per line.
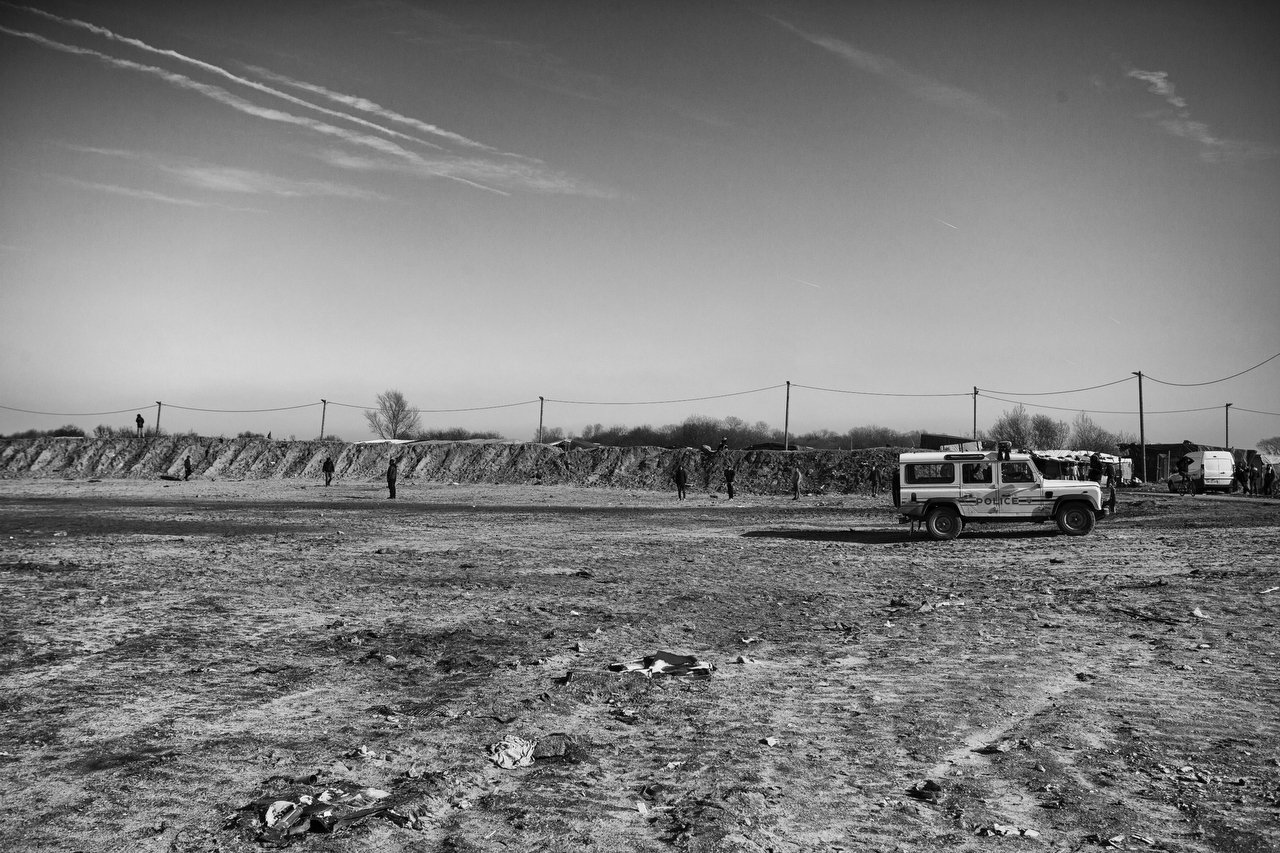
x=1207, y=470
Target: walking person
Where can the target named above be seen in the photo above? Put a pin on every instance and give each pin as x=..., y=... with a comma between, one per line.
x=729, y=474
x=682, y=481
x=327, y=468
x=393, y=469
x=186, y=468
x=797, y=481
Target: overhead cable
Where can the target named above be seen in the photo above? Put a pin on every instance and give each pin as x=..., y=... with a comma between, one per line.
x=1212, y=381
x=880, y=393
x=76, y=414
x=662, y=402
x=1072, y=391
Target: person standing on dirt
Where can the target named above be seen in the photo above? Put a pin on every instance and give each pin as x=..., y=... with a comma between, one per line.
x=682, y=481
x=1269, y=480
x=186, y=468
x=874, y=479
x=729, y=474
x=327, y=468
x=139, y=421
x=797, y=481
x=1113, y=474
x=393, y=469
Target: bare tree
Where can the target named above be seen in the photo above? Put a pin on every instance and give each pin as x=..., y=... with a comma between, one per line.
x=1087, y=435
x=1048, y=434
x=1270, y=446
x=394, y=417
x=1014, y=426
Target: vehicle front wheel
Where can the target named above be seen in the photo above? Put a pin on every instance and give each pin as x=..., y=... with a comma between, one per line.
x=943, y=523
x=1075, y=519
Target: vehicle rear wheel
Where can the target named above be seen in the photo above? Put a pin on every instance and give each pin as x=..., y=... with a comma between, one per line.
x=943, y=523
x=1075, y=519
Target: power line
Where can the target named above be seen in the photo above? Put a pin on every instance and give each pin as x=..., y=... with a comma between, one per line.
x=76, y=414
x=661, y=402
x=879, y=393
x=241, y=411
x=439, y=411
x=1072, y=391
x=1101, y=411
x=1213, y=381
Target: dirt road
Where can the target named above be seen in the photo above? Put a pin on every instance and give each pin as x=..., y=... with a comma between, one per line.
x=172, y=652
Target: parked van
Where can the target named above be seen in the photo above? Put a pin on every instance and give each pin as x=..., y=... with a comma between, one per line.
x=1207, y=470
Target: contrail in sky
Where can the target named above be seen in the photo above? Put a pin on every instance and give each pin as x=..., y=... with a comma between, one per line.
x=809, y=283
x=944, y=222
x=365, y=105
x=243, y=81
x=222, y=96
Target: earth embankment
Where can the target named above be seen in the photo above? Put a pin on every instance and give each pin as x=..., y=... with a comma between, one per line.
x=498, y=462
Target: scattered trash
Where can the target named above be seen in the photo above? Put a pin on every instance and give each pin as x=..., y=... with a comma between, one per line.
x=1264, y=592
x=278, y=820
x=666, y=663
x=1006, y=829
x=511, y=752
x=1085, y=676
x=769, y=741
x=1199, y=614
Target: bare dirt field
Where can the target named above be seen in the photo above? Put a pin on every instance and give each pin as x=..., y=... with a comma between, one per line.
x=177, y=657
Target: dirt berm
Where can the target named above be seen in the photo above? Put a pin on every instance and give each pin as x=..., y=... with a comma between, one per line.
x=758, y=471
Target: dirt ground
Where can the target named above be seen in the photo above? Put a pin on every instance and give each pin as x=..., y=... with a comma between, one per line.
x=171, y=653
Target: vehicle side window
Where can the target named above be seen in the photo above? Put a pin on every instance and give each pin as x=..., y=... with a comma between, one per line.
x=977, y=472
x=926, y=473
x=1016, y=472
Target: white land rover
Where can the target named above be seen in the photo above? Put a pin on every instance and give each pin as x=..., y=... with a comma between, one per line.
x=947, y=490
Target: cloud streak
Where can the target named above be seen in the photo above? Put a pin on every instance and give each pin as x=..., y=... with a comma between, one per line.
x=1176, y=120
x=913, y=83
x=490, y=172
x=222, y=96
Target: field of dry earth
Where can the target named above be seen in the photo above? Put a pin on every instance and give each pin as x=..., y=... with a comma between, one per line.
x=175, y=657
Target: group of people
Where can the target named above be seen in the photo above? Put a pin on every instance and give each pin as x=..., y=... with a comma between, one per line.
x=681, y=479
x=1251, y=481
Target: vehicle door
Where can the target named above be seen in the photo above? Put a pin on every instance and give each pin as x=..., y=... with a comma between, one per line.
x=1021, y=490
x=978, y=493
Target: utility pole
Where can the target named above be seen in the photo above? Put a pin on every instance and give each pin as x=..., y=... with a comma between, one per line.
x=1142, y=428
x=541, y=403
x=975, y=412
x=1226, y=440
x=786, y=420
x=324, y=408
x=158, y=407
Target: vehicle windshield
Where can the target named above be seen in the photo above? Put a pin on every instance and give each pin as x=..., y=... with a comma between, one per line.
x=1017, y=472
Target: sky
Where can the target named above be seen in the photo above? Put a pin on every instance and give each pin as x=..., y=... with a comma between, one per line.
x=639, y=212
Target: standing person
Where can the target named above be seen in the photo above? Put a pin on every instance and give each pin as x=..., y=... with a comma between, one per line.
x=729, y=474
x=1269, y=480
x=1253, y=481
x=1113, y=474
x=186, y=468
x=1095, y=468
x=875, y=479
x=393, y=468
x=327, y=468
x=139, y=421
x=797, y=480
x=682, y=481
